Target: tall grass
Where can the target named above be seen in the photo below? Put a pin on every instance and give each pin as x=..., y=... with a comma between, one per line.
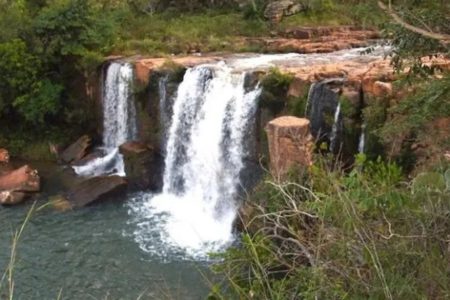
x=7, y=283
x=369, y=234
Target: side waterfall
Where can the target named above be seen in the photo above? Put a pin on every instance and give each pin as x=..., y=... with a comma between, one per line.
x=335, y=128
x=204, y=151
x=119, y=121
x=362, y=140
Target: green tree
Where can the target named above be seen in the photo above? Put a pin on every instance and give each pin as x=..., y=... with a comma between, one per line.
x=23, y=91
x=417, y=29
x=73, y=31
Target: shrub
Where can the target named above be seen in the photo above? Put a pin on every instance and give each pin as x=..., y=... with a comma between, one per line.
x=362, y=235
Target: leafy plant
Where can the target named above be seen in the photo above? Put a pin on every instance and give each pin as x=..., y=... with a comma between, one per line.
x=362, y=235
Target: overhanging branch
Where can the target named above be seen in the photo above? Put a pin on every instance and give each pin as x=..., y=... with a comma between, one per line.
x=443, y=38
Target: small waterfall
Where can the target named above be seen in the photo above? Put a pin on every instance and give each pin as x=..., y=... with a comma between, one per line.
x=310, y=93
x=119, y=113
x=362, y=139
x=163, y=107
x=335, y=128
x=119, y=122
x=206, y=143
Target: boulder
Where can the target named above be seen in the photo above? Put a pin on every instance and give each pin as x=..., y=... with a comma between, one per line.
x=24, y=179
x=290, y=144
x=91, y=190
x=4, y=156
x=276, y=10
x=76, y=151
x=143, y=166
x=12, y=198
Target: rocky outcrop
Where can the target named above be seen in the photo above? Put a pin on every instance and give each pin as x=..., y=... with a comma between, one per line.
x=316, y=40
x=143, y=166
x=276, y=10
x=16, y=185
x=76, y=151
x=4, y=156
x=290, y=144
x=322, y=106
x=145, y=66
x=90, y=191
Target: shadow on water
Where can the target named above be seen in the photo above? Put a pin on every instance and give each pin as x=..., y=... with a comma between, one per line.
x=89, y=253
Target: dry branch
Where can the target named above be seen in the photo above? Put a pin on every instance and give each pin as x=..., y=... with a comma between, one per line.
x=441, y=37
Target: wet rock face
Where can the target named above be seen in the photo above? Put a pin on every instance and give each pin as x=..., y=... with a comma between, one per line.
x=335, y=110
x=323, y=102
x=154, y=106
x=143, y=166
x=94, y=190
x=290, y=144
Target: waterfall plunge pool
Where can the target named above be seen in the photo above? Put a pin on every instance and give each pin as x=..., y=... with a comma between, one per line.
x=92, y=254
x=149, y=246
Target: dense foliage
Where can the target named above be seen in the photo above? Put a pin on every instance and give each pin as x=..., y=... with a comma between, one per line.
x=379, y=231
x=368, y=234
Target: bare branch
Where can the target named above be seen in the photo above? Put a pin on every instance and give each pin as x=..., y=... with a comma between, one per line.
x=441, y=37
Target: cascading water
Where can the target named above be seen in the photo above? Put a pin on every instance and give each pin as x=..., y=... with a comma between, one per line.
x=335, y=128
x=204, y=152
x=362, y=139
x=119, y=121
x=205, y=135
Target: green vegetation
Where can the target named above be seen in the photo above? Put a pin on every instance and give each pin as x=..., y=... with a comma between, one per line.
x=48, y=49
x=275, y=86
x=368, y=234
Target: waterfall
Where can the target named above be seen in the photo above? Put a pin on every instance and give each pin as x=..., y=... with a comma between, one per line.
x=204, y=151
x=206, y=137
x=163, y=108
x=362, y=139
x=119, y=113
x=335, y=128
x=119, y=122
x=310, y=93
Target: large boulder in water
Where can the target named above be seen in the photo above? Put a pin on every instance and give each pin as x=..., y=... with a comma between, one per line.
x=24, y=179
x=143, y=166
x=290, y=144
x=76, y=151
x=91, y=190
x=17, y=184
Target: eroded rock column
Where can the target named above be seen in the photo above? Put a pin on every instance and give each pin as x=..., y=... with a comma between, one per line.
x=290, y=144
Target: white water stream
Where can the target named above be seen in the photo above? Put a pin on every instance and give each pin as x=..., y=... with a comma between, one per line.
x=203, y=161
x=119, y=122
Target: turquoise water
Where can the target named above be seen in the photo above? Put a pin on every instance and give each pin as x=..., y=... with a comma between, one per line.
x=91, y=253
